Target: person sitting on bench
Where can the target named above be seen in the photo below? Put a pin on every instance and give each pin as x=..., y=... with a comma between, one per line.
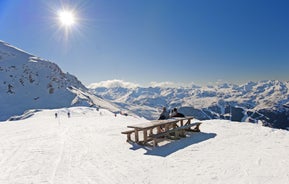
x=164, y=114
x=175, y=113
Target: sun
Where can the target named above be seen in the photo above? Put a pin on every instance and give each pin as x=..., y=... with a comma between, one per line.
x=67, y=22
x=66, y=18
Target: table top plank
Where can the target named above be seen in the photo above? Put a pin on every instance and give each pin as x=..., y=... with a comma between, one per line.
x=152, y=124
x=156, y=123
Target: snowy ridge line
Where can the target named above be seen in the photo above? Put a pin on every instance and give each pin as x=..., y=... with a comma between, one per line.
x=29, y=82
x=222, y=101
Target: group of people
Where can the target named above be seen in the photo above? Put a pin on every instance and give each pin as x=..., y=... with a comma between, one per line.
x=56, y=114
x=166, y=114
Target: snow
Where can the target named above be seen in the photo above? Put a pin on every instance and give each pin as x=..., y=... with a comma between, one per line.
x=29, y=82
x=89, y=148
x=252, y=96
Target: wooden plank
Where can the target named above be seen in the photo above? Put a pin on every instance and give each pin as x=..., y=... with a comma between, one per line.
x=153, y=124
x=188, y=122
x=128, y=135
x=136, y=135
x=184, y=118
x=145, y=135
x=169, y=125
x=159, y=130
x=178, y=129
x=127, y=132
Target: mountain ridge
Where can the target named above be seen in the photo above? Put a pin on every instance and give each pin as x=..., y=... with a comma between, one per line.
x=251, y=102
x=29, y=82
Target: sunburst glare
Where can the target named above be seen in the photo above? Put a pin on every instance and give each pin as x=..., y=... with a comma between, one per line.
x=66, y=18
x=67, y=23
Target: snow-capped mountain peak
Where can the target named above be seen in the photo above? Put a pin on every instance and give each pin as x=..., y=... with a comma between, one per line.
x=29, y=82
x=253, y=101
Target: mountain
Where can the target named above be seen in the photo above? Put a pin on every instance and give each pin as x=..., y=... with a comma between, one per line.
x=263, y=101
x=29, y=82
x=89, y=148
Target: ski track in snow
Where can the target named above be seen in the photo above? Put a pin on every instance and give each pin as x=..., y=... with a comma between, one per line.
x=88, y=148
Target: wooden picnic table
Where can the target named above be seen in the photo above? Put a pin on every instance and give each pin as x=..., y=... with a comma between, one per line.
x=153, y=130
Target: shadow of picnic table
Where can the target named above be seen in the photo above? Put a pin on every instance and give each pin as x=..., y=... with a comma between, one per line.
x=174, y=146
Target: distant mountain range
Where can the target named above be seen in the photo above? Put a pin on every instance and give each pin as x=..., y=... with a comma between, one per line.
x=29, y=82
x=263, y=102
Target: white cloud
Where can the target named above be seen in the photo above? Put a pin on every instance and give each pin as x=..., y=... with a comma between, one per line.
x=113, y=84
x=120, y=83
x=169, y=84
x=162, y=84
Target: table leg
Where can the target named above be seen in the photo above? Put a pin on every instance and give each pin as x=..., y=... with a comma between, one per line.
x=151, y=131
x=175, y=125
x=136, y=135
x=182, y=122
x=145, y=136
x=158, y=129
x=188, y=122
x=167, y=127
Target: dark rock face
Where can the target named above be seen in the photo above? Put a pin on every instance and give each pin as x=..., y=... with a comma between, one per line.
x=268, y=117
x=275, y=119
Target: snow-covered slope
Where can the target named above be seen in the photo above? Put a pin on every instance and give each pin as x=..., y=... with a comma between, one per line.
x=251, y=102
x=89, y=148
x=29, y=82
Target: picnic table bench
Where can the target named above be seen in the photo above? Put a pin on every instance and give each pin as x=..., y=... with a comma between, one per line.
x=157, y=130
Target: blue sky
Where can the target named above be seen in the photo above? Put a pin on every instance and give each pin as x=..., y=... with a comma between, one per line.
x=140, y=41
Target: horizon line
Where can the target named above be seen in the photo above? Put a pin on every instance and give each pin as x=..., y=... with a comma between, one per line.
x=171, y=84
